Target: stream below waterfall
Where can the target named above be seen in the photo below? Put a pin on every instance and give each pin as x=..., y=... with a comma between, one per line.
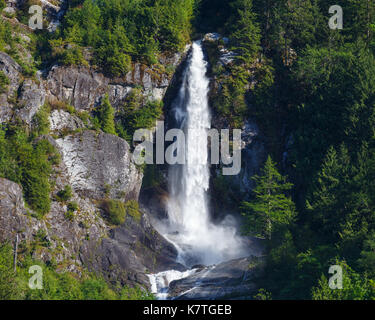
x=198, y=240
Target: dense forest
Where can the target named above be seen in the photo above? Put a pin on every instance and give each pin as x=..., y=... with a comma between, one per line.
x=318, y=90
x=314, y=206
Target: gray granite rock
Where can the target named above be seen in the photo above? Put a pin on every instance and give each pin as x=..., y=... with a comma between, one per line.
x=9, y=11
x=131, y=251
x=62, y=120
x=84, y=87
x=12, y=71
x=32, y=96
x=228, y=280
x=98, y=161
x=253, y=155
x=13, y=215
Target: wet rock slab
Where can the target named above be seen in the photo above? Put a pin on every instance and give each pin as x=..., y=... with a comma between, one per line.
x=228, y=280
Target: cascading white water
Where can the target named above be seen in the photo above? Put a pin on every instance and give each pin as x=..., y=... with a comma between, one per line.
x=190, y=229
x=198, y=239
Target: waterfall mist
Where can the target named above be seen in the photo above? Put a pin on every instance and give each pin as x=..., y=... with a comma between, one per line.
x=190, y=228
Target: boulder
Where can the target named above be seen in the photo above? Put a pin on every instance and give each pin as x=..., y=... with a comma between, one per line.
x=100, y=165
x=10, y=11
x=210, y=37
x=32, y=97
x=79, y=86
x=62, y=120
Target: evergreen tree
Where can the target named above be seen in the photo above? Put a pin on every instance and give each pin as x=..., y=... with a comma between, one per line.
x=354, y=286
x=8, y=281
x=271, y=206
x=367, y=260
x=325, y=208
x=106, y=116
x=246, y=37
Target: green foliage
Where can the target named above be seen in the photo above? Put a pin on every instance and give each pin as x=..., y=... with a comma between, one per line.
x=354, y=286
x=246, y=34
x=66, y=53
x=57, y=285
x=65, y=194
x=97, y=289
x=132, y=209
x=115, y=211
x=134, y=116
x=6, y=37
x=119, y=30
x=41, y=123
x=153, y=178
x=28, y=163
x=41, y=239
x=119, y=64
x=146, y=116
x=35, y=176
x=84, y=116
x=263, y=295
x=128, y=293
x=317, y=89
x=226, y=192
x=271, y=207
x=2, y=4
x=339, y=94
x=13, y=44
x=366, y=261
x=23, y=10
x=72, y=207
x=230, y=100
x=4, y=82
x=8, y=283
x=106, y=116
x=213, y=15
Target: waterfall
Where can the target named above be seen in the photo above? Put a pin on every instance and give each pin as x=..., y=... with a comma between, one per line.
x=189, y=227
x=199, y=240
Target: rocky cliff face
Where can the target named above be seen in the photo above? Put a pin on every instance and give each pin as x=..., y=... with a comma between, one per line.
x=90, y=161
x=61, y=238
x=13, y=217
x=132, y=251
x=95, y=164
x=124, y=254
x=100, y=165
x=12, y=71
x=253, y=156
x=23, y=97
x=84, y=87
x=253, y=142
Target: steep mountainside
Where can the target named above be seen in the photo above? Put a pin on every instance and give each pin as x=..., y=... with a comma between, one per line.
x=72, y=199
x=96, y=165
